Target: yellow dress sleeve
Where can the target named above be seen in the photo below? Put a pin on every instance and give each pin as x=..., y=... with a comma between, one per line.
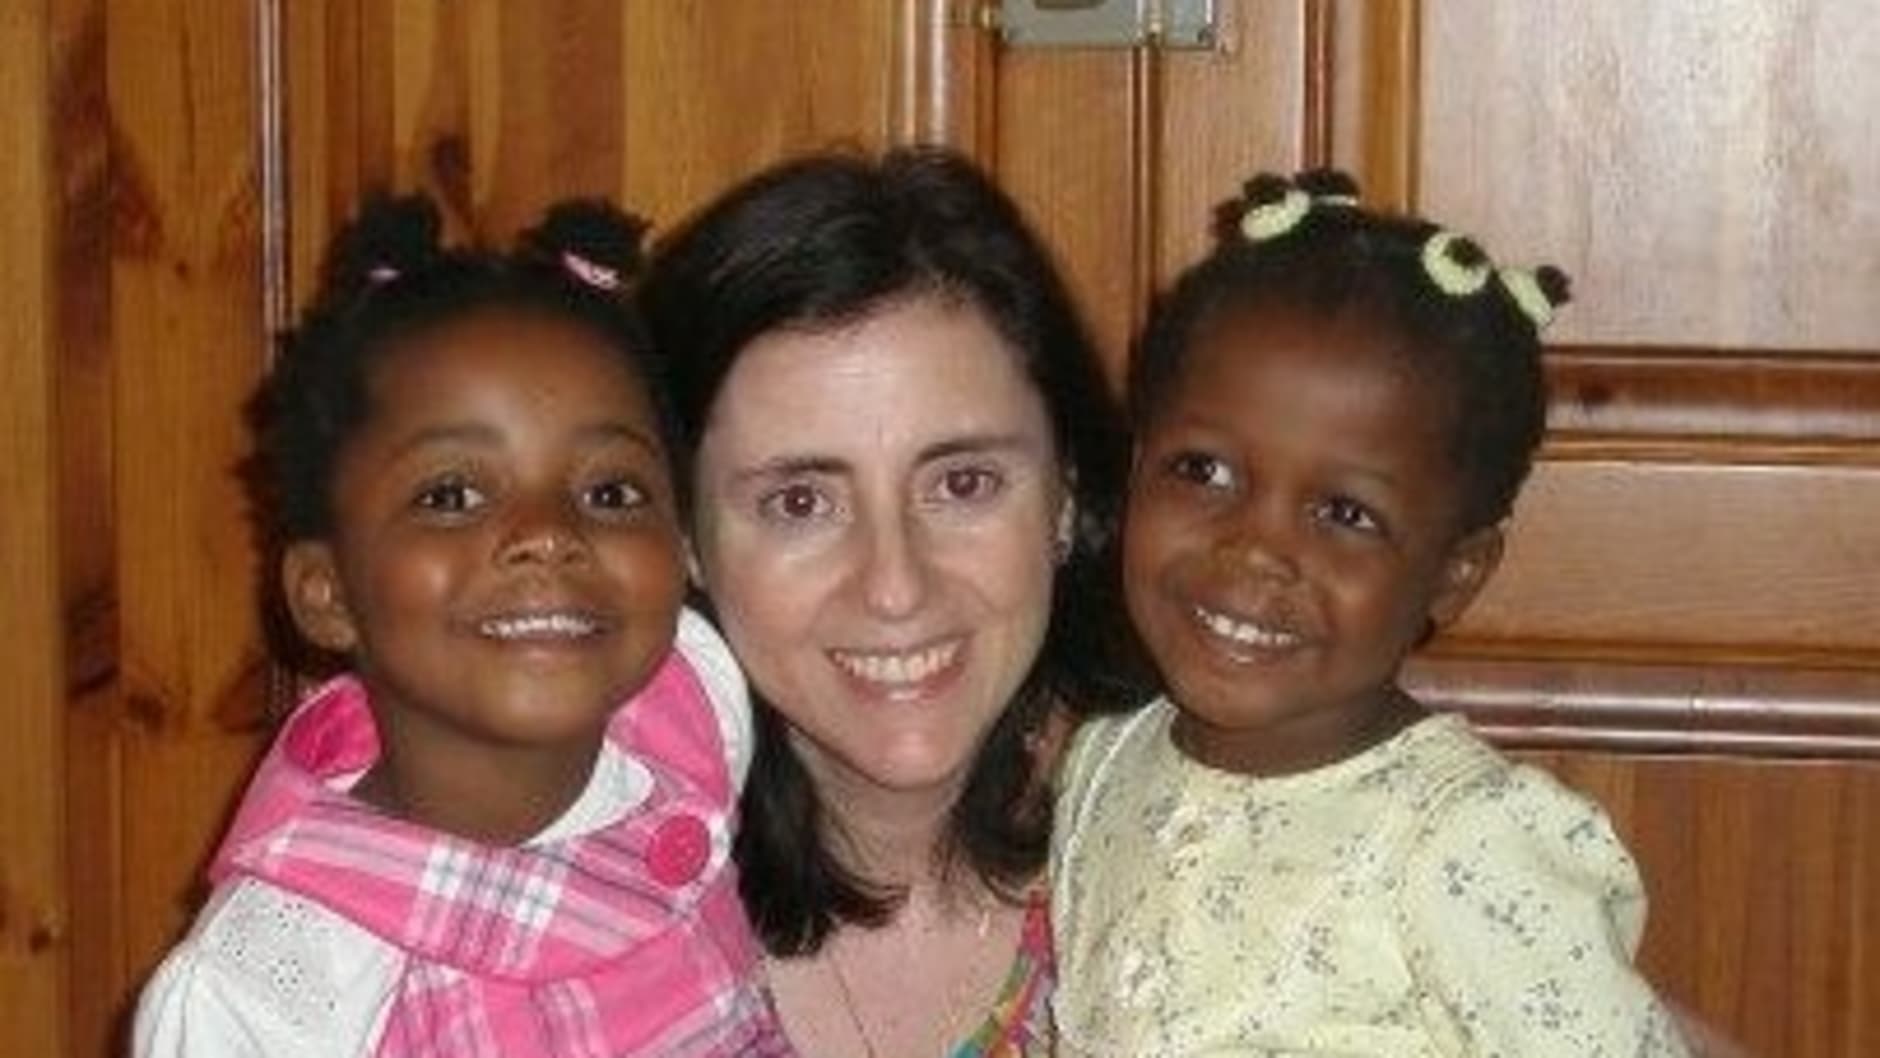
x=1520, y=911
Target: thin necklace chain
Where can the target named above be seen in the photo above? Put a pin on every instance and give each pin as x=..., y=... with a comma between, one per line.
x=854, y=1010
x=848, y=1004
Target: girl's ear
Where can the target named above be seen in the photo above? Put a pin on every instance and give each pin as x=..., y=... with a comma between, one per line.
x=311, y=583
x=1471, y=561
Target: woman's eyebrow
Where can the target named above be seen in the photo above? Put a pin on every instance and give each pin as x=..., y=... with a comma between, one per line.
x=977, y=444
x=786, y=466
x=794, y=465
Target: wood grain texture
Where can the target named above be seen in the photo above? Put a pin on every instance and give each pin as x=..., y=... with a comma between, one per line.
x=1738, y=401
x=1377, y=109
x=717, y=90
x=34, y=905
x=1226, y=114
x=187, y=345
x=1668, y=707
x=1764, y=564
x=440, y=100
x=1067, y=150
x=339, y=81
x=499, y=108
x=87, y=518
x=943, y=69
x=1702, y=168
x=1765, y=886
x=320, y=61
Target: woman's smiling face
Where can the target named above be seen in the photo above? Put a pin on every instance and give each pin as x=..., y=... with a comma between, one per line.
x=876, y=513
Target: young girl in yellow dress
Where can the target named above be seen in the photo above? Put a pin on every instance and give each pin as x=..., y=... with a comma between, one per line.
x=1286, y=854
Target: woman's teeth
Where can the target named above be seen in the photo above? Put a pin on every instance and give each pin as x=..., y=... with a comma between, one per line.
x=1246, y=632
x=896, y=668
x=539, y=626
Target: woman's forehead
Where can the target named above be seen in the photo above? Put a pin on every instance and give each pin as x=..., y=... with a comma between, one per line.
x=905, y=378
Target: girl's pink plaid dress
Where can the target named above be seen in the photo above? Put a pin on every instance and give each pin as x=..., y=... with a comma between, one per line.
x=628, y=939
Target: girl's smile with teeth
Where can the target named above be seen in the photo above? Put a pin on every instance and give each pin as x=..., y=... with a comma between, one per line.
x=556, y=625
x=1246, y=633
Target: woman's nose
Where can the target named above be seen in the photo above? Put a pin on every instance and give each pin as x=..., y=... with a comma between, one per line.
x=544, y=531
x=893, y=573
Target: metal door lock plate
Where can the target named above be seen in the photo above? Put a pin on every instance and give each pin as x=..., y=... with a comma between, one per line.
x=1183, y=24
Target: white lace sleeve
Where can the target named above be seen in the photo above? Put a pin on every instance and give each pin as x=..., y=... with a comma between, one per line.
x=266, y=974
x=724, y=684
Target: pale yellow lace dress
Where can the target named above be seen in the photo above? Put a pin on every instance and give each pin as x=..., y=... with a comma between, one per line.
x=1427, y=897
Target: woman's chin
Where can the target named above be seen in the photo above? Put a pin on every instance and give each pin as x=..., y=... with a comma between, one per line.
x=913, y=765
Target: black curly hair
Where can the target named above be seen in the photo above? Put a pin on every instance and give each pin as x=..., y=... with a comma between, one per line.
x=386, y=280
x=1341, y=260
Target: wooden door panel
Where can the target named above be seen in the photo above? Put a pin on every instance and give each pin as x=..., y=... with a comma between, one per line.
x=1765, y=883
x=85, y=535
x=1692, y=559
x=1703, y=169
x=498, y=108
x=187, y=343
x=35, y=908
x=1119, y=155
x=1224, y=114
x=716, y=90
x=1068, y=146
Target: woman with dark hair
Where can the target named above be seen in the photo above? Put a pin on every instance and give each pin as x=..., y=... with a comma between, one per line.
x=905, y=467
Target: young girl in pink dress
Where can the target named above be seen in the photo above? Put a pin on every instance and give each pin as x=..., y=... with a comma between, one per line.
x=504, y=830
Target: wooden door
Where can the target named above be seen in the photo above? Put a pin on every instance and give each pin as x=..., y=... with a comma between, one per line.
x=1686, y=626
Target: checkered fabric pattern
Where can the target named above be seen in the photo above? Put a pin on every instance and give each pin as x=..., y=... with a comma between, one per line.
x=624, y=940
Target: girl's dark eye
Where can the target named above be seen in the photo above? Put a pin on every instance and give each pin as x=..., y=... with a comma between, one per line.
x=616, y=496
x=1347, y=513
x=449, y=496
x=1199, y=468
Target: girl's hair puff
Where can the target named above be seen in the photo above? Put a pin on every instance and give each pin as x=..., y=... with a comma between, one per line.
x=1314, y=250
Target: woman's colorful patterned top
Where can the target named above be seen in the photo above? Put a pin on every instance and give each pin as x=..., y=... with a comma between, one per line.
x=1020, y=1023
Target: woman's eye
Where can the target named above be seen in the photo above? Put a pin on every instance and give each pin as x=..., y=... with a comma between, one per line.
x=797, y=502
x=969, y=484
x=1347, y=513
x=619, y=495
x=449, y=496
x=1199, y=468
